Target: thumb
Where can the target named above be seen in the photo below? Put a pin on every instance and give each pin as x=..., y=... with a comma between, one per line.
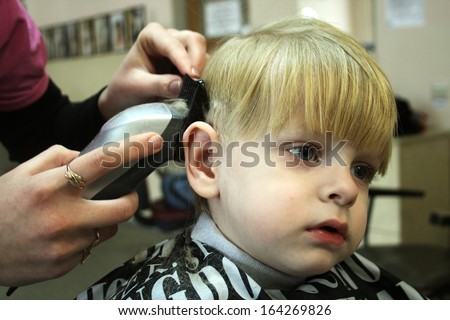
x=164, y=85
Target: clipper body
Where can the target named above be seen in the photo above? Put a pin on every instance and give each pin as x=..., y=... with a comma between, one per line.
x=168, y=120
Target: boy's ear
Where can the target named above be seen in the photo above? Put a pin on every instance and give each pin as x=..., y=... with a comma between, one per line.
x=200, y=142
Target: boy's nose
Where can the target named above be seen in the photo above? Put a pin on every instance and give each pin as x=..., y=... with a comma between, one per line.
x=339, y=186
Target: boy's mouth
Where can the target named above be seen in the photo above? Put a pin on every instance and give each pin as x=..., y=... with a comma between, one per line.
x=329, y=229
x=330, y=232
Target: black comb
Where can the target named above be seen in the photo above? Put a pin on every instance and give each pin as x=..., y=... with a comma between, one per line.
x=193, y=92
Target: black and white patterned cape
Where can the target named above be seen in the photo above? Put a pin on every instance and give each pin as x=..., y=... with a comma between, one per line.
x=164, y=272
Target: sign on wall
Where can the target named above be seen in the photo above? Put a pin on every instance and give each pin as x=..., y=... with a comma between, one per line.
x=222, y=18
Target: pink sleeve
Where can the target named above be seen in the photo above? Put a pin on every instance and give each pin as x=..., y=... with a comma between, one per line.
x=23, y=58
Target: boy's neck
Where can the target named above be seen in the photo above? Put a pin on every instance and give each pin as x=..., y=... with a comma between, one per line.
x=206, y=231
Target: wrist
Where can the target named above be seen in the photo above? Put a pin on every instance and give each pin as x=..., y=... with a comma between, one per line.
x=102, y=103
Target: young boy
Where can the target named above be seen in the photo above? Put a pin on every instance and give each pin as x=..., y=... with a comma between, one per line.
x=301, y=118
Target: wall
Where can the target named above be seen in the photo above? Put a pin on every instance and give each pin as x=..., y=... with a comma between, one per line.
x=48, y=12
x=416, y=58
x=80, y=77
x=336, y=12
x=262, y=12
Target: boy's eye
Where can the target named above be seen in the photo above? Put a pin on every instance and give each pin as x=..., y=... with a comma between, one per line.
x=363, y=172
x=306, y=152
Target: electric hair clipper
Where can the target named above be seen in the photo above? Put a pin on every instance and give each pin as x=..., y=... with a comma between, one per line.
x=168, y=120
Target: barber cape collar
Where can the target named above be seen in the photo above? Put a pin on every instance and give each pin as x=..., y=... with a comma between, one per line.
x=181, y=268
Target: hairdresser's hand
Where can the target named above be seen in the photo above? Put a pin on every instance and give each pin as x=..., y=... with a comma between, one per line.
x=45, y=224
x=152, y=68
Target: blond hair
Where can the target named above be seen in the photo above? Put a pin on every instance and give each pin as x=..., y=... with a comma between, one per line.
x=257, y=82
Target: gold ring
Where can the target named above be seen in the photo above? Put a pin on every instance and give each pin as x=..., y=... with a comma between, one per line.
x=97, y=239
x=86, y=254
x=74, y=179
x=87, y=251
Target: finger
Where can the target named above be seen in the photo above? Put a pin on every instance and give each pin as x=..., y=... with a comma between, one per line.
x=173, y=44
x=92, y=237
x=80, y=245
x=102, y=160
x=162, y=85
x=54, y=157
x=107, y=233
x=195, y=46
x=108, y=213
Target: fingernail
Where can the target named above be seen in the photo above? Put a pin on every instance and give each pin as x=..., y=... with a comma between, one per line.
x=174, y=87
x=195, y=73
x=156, y=141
